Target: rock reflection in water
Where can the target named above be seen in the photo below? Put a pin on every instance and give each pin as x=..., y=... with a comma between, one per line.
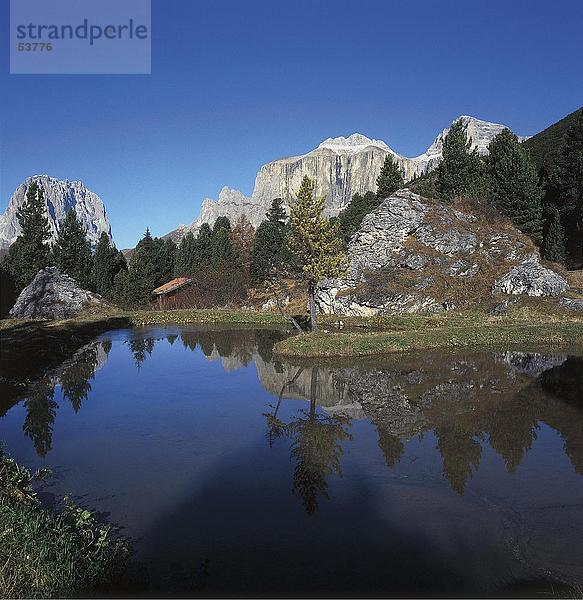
x=497, y=399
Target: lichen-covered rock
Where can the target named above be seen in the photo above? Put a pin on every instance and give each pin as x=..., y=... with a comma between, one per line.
x=53, y=295
x=532, y=279
x=412, y=254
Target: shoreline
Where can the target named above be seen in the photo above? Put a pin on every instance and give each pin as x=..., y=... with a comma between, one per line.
x=380, y=343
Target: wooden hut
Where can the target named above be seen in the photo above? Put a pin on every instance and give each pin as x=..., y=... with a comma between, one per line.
x=169, y=294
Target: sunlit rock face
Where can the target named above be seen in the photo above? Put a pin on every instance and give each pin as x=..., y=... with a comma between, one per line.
x=340, y=168
x=53, y=295
x=413, y=254
x=60, y=196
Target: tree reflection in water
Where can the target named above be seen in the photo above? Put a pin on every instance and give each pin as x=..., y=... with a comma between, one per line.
x=74, y=377
x=315, y=445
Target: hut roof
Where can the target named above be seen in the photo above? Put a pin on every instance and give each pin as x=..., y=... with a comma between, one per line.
x=172, y=285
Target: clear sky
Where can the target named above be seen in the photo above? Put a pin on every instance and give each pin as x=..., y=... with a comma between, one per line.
x=238, y=83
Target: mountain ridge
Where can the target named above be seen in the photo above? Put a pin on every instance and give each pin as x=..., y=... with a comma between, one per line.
x=340, y=166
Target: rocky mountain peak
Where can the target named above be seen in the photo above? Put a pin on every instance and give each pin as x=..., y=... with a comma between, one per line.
x=355, y=142
x=60, y=195
x=340, y=167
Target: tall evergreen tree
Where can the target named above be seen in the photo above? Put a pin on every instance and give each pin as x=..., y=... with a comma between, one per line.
x=315, y=243
x=72, y=250
x=566, y=183
x=390, y=178
x=187, y=258
x=514, y=184
x=460, y=167
x=222, y=223
x=276, y=213
x=222, y=252
x=151, y=265
x=30, y=252
x=269, y=248
x=107, y=262
x=554, y=246
x=204, y=240
x=351, y=217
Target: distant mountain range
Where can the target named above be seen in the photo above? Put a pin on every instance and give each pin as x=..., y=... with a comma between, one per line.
x=60, y=196
x=340, y=167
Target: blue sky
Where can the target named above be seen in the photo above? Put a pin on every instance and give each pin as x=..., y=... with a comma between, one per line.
x=236, y=84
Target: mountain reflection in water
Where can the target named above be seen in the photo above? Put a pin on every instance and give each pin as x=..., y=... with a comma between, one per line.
x=472, y=405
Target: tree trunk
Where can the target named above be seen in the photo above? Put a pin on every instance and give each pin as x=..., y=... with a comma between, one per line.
x=312, y=306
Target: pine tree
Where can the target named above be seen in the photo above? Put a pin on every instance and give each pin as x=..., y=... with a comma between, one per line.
x=514, y=184
x=269, y=248
x=315, y=243
x=72, y=250
x=222, y=251
x=390, y=179
x=460, y=167
x=107, y=262
x=566, y=183
x=186, y=259
x=276, y=213
x=148, y=269
x=30, y=252
x=554, y=247
x=222, y=223
x=204, y=241
x=351, y=217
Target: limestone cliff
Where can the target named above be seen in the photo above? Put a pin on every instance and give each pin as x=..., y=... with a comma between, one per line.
x=60, y=196
x=340, y=167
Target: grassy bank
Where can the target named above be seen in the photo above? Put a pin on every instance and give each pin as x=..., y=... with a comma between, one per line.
x=447, y=335
x=46, y=554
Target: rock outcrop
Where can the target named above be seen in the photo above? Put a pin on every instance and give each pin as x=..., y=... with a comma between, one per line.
x=340, y=167
x=60, y=196
x=53, y=295
x=412, y=254
x=531, y=278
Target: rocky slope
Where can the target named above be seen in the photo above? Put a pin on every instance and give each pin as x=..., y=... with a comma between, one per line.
x=340, y=167
x=413, y=254
x=60, y=196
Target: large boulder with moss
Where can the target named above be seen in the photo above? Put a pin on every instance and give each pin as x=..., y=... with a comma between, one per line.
x=413, y=254
x=53, y=295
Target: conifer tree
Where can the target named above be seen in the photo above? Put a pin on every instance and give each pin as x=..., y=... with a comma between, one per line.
x=554, y=246
x=390, y=178
x=222, y=251
x=72, y=250
x=314, y=243
x=204, y=241
x=351, y=217
x=269, y=248
x=460, y=167
x=30, y=252
x=514, y=184
x=222, y=223
x=186, y=259
x=566, y=184
x=107, y=262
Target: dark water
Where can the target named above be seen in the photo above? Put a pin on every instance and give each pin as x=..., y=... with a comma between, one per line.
x=426, y=474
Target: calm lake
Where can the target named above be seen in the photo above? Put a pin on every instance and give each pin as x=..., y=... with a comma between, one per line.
x=233, y=473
